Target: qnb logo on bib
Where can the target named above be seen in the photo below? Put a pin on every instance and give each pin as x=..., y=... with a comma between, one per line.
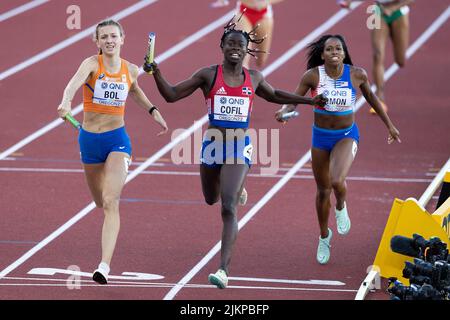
x=338, y=99
x=110, y=93
x=231, y=108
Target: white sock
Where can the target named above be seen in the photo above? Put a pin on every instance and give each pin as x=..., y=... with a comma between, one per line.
x=103, y=266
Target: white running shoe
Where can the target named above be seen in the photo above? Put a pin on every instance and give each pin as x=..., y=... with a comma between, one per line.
x=243, y=197
x=219, y=279
x=342, y=220
x=323, y=250
x=100, y=275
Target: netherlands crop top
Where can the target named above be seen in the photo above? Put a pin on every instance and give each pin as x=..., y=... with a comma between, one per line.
x=230, y=107
x=106, y=93
x=340, y=93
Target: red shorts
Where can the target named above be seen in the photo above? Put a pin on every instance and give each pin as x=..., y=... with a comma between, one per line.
x=253, y=15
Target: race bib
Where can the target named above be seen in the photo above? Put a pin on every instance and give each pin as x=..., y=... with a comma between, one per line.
x=109, y=93
x=338, y=99
x=231, y=108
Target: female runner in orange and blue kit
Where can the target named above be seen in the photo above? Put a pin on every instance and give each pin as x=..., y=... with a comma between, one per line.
x=105, y=146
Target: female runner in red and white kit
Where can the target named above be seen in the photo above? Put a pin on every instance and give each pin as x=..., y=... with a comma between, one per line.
x=229, y=89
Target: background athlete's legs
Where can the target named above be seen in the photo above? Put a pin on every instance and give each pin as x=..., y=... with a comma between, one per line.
x=232, y=177
x=265, y=28
x=321, y=169
x=400, y=39
x=341, y=159
x=245, y=25
x=379, y=37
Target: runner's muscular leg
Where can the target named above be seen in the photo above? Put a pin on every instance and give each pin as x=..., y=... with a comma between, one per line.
x=341, y=159
x=247, y=26
x=95, y=176
x=265, y=29
x=116, y=169
x=232, y=178
x=400, y=39
x=320, y=166
x=210, y=179
x=378, y=39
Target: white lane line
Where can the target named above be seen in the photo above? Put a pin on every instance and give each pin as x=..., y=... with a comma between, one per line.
x=306, y=157
x=312, y=282
x=193, y=286
x=437, y=181
x=196, y=173
x=21, y=9
x=164, y=56
x=143, y=281
x=73, y=39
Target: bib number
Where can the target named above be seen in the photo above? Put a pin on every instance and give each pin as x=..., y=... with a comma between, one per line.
x=231, y=108
x=110, y=93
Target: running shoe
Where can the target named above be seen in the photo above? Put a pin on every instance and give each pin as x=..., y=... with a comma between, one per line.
x=342, y=220
x=100, y=275
x=219, y=279
x=243, y=197
x=323, y=250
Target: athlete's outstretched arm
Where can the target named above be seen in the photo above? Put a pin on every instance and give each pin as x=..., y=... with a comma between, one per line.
x=374, y=102
x=308, y=82
x=267, y=92
x=141, y=99
x=87, y=67
x=179, y=91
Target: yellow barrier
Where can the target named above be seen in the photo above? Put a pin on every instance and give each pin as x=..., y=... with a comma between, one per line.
x=406, y=218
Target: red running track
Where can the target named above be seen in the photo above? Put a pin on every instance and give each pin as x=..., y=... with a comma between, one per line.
x=166, y=227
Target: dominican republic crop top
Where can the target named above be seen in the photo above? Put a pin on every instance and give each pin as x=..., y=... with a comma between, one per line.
x=340, y=93
x=230, y=107
x=106, y=93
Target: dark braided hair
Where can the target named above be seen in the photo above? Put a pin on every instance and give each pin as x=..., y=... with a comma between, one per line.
x=249, y=36
x=315, y=50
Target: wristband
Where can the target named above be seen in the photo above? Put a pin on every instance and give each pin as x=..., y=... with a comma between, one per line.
x=152, y=109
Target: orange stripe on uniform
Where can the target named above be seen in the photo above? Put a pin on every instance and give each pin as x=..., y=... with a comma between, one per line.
x=106, y=93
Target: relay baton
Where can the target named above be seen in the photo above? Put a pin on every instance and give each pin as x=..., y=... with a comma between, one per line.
x=290, y=115
x=72, y=121
x=150, y=49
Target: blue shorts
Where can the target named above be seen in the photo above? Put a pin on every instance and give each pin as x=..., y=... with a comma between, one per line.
x=95, y=147
x=326, y=139
x=214, y=154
